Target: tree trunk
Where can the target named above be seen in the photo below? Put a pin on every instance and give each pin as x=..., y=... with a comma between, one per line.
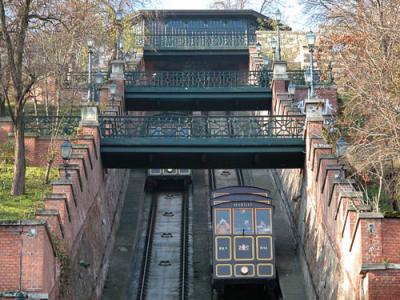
x=18, y=185
x=2, y=108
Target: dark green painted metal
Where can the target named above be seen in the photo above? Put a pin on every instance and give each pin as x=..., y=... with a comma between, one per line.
x=196, y=40
x=183, y=127
x=51, y=125
x=199, y=79
x=196, y=90
x=321, y=77
x=74, y=80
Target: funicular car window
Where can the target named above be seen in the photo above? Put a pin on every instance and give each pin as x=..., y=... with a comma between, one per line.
x=243, y=221
x=263, y=221
x=223, y=221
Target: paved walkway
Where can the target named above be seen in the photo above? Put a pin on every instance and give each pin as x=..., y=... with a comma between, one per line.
x=286, y=257
x=117, y=283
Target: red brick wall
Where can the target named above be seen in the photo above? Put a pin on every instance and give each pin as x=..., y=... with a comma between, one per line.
x=83, y=216
x=345, y=245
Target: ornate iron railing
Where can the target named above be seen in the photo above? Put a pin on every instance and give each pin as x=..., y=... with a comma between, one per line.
x=320, y=77
x=196, y=40
x=199, y=79
x=51, y=125
x=186, y=127
x=80, y=79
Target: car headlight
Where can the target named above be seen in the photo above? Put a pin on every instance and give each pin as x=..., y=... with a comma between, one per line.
x=244, y=270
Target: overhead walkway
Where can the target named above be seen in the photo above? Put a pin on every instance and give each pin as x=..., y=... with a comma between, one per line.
x=198, y=90
x=177, y=141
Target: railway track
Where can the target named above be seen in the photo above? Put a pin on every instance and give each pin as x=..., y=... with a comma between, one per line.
x=164, y=266
x=219, y=178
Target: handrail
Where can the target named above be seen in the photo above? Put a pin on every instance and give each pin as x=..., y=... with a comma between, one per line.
x=199, y=79
x=184, y=127
x=196, y=40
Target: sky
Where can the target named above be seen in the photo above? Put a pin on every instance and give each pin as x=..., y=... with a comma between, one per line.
x=291, y=10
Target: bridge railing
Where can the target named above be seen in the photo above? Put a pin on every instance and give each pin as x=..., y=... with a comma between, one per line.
x=186, y=127
x=196, y=40
x=320, y=77
x=51, y=125
x=73, y=80
x=199, y=79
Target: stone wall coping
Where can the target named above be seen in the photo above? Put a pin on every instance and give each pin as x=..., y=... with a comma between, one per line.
x=316, y=147
x=55, y=196
x=32, y=296
x=339, y=182
x=371, y=215
x=74, y=167
x=59, y=197
x=34, y=222
x=328, y=169
x=364, y=216
x=85, y=148
x=26, y=135
x=379, y=267
x=81, y=158
x=346, y=194
x=22, y=223
x=322, y=157
x=51, y=212
x=69, y=183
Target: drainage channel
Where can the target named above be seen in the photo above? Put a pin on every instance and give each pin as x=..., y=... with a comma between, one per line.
x=164, y=266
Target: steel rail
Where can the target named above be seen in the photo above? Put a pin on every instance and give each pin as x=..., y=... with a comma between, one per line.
x=148, y=248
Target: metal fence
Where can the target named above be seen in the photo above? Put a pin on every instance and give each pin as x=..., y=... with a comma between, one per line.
x=199, y=79
x=51, y=125
x=320, y=77
x=185, y=127
x=77, y=80
x=196, y=40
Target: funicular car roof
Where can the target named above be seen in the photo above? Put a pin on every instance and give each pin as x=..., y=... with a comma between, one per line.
x=229, y=190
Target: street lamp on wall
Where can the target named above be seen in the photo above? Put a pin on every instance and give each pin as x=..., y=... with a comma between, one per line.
x=118, y=20
x=113, y=91
x=291, y=88
x=311, y=44
x=66, y=154
x=99, y=82
x=274, y=44
x=258, y=48
x=278, y=16
x=90, y=44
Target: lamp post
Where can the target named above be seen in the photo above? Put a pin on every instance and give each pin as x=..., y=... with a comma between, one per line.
x=308, y=80
x=66, y=154
x=258, y=48
x=341, y=147
x=291, y=89
x=278, y=16
x=274, y=43
x=118, y=20
x=113, y=91
x=99, y=82
x=90, y=44
x=311, y=43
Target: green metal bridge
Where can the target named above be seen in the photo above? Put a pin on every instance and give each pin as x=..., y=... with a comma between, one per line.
x=198, y=90
x=183, y=141
x=176, y=141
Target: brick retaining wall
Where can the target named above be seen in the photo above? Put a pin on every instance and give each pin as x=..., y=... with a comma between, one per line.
x=350, y=251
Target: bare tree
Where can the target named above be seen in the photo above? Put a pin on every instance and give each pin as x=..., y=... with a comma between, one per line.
x=16, y=17
x=363, y=41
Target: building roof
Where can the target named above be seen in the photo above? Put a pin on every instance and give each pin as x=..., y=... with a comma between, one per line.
x=201, y=12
